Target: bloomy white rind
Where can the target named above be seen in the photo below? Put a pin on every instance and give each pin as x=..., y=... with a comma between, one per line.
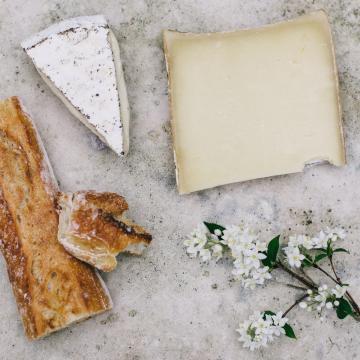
x=118, y=138
x=86, y=22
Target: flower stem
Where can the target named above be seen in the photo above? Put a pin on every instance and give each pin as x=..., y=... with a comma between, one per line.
x=338, y=281
x=353, y=302
x=296, y=287
x=299, y=300
x=306, y=275
x=326, y=273
x=333, y=269
x=295, y=275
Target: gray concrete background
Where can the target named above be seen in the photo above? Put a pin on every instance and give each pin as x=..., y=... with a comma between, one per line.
x=166, y=306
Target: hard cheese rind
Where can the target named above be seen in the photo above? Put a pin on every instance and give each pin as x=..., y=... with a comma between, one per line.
x=52, y=288
x=79, y=59
x=253, y=103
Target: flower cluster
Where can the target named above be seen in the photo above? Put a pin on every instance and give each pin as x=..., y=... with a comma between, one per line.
x=245, y=248
x=248, y=253
x=253, y=261
x=201, y=242
x=298, y=245
x=261, y=329
x=323, y=297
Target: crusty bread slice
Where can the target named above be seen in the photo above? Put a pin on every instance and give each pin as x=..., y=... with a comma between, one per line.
x=52, y=288
x=93, y=228
x=79, y=59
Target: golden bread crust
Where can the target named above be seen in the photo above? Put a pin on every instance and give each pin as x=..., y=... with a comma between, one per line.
x=52, y=288
x=96, y=229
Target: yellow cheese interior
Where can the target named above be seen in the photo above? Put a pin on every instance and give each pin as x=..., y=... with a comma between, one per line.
x=253, y=103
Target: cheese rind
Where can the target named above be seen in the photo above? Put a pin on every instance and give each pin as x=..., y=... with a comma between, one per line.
x=253, y=103
x=80, y=61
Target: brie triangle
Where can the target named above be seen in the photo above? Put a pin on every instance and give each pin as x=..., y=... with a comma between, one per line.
x=79, y=59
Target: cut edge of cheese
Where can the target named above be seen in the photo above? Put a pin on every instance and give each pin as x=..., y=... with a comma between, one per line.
x=170, y=35
x=88, y=22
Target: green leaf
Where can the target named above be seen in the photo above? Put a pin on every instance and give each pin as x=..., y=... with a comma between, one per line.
x=342, y=250
x=344, y=309
x=308, y=257
x=268, y=312
x=266, y=261
x=306, y=263
x=289, y=332
x=273, y=249
x=212, y=227
x=319, y=257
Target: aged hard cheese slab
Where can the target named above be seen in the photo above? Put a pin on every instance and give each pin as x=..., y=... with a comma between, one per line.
x=79, y=59
x=253, y=103
x=52, y=288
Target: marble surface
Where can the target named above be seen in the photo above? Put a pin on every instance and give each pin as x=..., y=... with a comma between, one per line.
x=168, y=306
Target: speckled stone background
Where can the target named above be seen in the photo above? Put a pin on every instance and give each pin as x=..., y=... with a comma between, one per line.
x=168, y=306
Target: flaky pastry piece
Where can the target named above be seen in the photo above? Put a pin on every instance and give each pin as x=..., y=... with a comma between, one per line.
x=93, y=228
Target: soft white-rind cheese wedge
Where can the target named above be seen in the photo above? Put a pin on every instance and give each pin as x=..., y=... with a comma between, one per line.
x=253, y=103
x=79, y=59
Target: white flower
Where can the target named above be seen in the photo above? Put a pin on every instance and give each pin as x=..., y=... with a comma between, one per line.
x=293, y=256
x=201, y=242
x=329, y=305
x=217, y=251
x=249, y=283
x=217, y=232
x=336, y=233
x=260, y=330
x=308, y=243
x=320, y=241
x=192, y=251
x=245, y=246
x=241, y=268
x=339, y=291
x=295, y=240
x=322, y=298
x=279, y=322
x=261, y=274
x=253, y=257
x=231, y=235
x=247, y=250
x=260, y=246
x=197, y=240
x=303, y=305
x=205, y=255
